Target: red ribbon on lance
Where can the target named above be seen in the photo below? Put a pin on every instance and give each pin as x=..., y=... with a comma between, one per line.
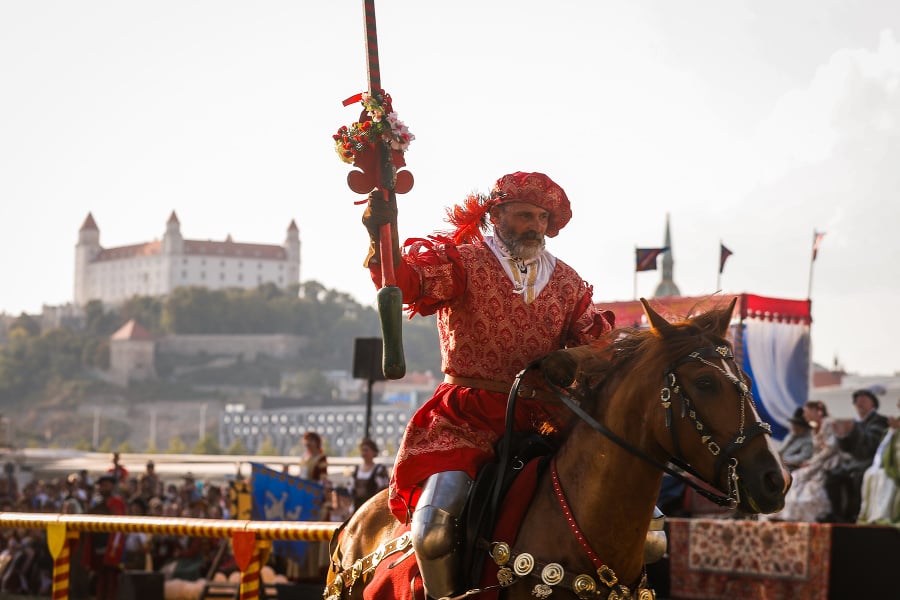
x=353, y=99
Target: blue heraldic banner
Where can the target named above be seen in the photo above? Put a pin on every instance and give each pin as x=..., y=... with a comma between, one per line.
x=278, y=496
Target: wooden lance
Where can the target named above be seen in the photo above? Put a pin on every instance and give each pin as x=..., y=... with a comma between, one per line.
x=382, y=178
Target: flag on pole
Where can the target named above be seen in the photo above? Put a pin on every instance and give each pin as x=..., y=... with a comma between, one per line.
x=277, y=496
x=645, y=258
x=817, y=239
x=724, y=253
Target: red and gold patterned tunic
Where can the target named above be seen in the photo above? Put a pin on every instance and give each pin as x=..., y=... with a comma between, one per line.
x=487, y=331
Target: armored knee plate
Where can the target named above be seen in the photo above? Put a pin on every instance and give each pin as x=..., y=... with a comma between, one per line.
x=434, y=531
x=656, y=543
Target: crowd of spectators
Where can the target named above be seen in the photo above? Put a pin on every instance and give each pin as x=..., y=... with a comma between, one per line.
x=26, y=566
x=844, y=470
x=99, y=558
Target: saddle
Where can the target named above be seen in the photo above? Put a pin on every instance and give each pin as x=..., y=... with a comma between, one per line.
x=494, y=479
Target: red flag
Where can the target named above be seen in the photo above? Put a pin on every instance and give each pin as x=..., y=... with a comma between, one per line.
x=724, y=253
x=817, y=239
x=645, y=258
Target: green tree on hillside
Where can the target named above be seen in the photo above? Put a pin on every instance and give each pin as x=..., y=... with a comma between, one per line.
x=208, y=445
x=267, y=448
x=146, y=310
x=99, y=321
x=176, y=446
x=237, y=448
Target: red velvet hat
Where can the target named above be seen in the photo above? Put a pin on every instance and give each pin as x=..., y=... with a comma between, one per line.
x=470, y=217
x=537, y=189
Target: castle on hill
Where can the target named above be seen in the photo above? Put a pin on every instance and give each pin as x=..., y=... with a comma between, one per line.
x=113, y=275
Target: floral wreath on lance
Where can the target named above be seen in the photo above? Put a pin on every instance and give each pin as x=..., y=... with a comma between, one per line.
x=379, y=122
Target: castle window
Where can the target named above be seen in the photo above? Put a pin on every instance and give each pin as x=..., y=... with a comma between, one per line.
x=221, y=276
x=184, y=274
x=202, y=274
x=240, y=277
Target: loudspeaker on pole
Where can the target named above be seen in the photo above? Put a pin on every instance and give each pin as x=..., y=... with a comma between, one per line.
x=367, y=357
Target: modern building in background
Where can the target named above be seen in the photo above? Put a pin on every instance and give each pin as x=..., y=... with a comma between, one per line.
x=113, y=275
x=341, y=427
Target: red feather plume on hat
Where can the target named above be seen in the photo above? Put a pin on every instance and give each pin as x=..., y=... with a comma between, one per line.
x=469, y=219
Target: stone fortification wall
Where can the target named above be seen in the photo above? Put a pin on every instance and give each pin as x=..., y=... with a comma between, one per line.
x=246, y=346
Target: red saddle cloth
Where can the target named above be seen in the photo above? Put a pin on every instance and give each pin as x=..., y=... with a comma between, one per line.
x=403, y=581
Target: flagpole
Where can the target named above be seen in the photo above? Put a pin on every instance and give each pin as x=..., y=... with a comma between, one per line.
x=719, y=272
x=634, y=297
x=812, y=260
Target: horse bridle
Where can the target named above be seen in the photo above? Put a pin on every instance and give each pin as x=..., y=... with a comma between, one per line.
x=671, y=388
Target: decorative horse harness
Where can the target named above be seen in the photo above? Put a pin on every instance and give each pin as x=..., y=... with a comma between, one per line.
x=726, y=458
x=514, y=565
x=672, y=389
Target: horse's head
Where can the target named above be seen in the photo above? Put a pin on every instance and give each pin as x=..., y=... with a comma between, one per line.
x=713, y=425
x=680, y=385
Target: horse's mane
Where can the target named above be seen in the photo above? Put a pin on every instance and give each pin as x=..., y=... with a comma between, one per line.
x=641, y=350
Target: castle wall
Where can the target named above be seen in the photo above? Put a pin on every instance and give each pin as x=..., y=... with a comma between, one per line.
x=246, y=346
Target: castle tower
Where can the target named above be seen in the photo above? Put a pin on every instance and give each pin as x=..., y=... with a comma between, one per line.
x=292, y=247
x=667, y=285
x=87, y=248
x=172, y=249
x=173, y=242
x=132, y=354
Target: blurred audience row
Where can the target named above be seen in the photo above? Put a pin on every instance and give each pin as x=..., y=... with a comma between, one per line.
x=100, y=558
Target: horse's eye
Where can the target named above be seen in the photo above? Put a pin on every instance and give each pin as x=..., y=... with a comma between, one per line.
x=705, y=383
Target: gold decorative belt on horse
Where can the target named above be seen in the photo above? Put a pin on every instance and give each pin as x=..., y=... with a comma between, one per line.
x=525, y=390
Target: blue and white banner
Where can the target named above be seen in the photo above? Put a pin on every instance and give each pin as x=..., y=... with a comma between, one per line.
x=776, y=356
x=279, y=496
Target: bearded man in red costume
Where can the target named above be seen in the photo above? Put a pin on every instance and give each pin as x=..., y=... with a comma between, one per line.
x=502, y=301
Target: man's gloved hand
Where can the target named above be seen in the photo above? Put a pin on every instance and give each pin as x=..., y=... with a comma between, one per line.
x=559, y=367
x=378, y=213
x=581, y=364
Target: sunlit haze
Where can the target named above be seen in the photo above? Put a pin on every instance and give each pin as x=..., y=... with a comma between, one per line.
x=751, y=124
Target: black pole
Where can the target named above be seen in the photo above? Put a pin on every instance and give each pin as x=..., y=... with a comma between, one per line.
x=367, y=354
x=369, y=408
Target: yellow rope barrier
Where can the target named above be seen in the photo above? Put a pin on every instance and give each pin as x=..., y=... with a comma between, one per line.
x=60, y=529
x=301, y=531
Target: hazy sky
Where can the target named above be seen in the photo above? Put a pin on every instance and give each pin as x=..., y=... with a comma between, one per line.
x=754, y=123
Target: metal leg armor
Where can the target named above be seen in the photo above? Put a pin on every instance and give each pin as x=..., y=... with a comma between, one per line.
x=434, y=531
x=656, y=543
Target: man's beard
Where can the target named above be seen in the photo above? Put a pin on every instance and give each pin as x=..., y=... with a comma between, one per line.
x=521, y=246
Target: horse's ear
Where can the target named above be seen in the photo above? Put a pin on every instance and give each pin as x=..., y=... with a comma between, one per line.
x=662, y=326
x=717, y=321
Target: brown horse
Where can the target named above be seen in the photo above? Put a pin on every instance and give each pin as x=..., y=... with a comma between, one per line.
x=672, y=392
